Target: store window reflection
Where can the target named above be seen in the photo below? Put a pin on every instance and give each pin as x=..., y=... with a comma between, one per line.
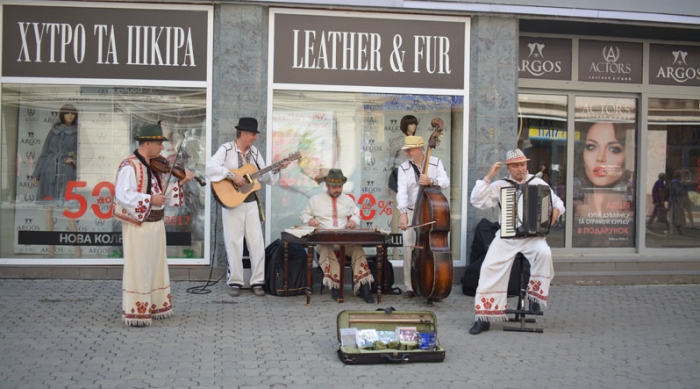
x=542, y=136
x=61, y=145
x=673, y=155
x=361, y=134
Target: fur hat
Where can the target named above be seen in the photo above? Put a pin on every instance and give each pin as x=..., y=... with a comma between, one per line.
x=335, y=177
x=248, y=124
x=412, y=142
x=151, y=132
x=515, y=156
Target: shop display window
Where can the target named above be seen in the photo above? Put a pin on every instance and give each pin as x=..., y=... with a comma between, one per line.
x=61, y=146
x=673, y=172
x=361, y=134
x=542, y=136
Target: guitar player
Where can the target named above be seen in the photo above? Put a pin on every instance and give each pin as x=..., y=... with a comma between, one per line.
x=243, y=220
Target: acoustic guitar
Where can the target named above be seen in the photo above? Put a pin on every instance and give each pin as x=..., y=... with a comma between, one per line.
x=230, y=195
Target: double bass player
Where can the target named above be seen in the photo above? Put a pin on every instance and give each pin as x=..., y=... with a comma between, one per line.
x=410, y=178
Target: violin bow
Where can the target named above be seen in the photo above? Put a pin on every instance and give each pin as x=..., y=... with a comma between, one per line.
x=422, y=225
x=172, y=166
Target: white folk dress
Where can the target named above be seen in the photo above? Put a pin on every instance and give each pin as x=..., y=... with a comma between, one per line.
x=146, y=280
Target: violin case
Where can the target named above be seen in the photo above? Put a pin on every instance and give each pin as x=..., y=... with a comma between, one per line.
x=388, y=320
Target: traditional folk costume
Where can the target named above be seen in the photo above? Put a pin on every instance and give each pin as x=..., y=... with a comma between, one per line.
x=491, y=294
x=408, y=186
x=334, y=213
x=243, y=220
x=146, y=280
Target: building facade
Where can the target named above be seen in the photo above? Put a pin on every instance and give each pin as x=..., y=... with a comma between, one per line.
x=602, y=100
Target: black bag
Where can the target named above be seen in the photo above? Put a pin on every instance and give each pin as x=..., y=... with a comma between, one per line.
x=274, y=269
x=394, y=180
x=483, y=236
x=388, y=272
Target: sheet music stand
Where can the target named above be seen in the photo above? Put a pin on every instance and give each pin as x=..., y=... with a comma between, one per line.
x=522, y=310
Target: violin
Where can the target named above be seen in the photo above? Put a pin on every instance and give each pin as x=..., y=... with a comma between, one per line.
x=161, y=165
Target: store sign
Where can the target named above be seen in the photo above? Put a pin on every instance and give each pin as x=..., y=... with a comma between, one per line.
x=114, y=43
x=70, y=238
x=545, y=58
x=605, y=109
x=674, y=65
x=551, y=133
x=610, y=62
x=365, y=51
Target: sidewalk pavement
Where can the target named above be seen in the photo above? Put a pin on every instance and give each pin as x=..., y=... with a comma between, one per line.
x=68, y=334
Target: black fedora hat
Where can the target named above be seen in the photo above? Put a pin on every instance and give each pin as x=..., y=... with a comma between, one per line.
x=152, y=132
x=248, y=124
x=335, y=177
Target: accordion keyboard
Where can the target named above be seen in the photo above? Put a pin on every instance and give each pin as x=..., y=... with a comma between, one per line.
x=526, y=210
x=508, y=210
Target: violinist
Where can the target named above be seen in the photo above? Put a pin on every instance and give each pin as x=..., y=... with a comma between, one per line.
x=141, y=195
x=491, y=294
x=410, y=178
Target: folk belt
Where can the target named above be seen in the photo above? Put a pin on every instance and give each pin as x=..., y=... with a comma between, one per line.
x=155, y=215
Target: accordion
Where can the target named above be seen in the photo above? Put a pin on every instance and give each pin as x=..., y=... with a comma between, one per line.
x=526, y=210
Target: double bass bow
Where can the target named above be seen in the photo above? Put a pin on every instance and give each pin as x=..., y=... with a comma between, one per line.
x=432, y=268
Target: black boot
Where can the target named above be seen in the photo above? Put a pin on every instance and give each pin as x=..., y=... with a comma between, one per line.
x=335, y=293
x=366, y=294
x=534, y=306
x=479, y=326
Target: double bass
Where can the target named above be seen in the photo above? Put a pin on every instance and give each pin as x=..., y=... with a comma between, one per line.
x=432, y=268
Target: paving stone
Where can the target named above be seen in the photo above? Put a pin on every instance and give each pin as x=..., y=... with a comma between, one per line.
x=645, y=336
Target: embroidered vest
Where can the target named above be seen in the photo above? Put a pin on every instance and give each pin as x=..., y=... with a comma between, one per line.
x=140, y=171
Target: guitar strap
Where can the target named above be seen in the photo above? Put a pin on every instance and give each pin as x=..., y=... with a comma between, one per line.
x=415, y=170
x=257, y=195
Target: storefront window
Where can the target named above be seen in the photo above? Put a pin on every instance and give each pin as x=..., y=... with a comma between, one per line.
x=542, y=136
x=359, y=133
x=673, y=173
x=61, y=145
x=604, y=167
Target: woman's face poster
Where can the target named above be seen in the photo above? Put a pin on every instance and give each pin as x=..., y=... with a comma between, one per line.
x=604, y=164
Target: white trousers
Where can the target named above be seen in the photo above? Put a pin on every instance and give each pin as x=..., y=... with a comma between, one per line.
x=490, y=302
x=241, y=222
x=409, y=240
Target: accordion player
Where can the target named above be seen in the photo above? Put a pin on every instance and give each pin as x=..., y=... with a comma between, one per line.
x=526, y=210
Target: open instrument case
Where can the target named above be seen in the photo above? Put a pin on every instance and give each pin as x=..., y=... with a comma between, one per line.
x=398, y=351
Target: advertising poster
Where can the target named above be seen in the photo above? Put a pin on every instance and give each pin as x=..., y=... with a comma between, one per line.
x=605, y=170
